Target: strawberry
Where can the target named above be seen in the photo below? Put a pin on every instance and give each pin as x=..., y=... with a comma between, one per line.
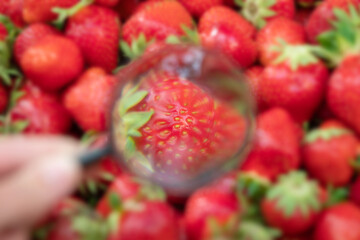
x=292, y=204
x=3, y=98
x=97, y=86
x=280, y=28
x=30, y=36
x=126, y=187
x=198, y=7
x=53, y=62
x=276, y=145
x=254, y=78
x=296, y=83
x=42, y=112
x=205, y=204
x=173, y=121
x=13, y=9
x=41, y=11
x=320, y=19
x=233, y=41
x=3, y=32
x=343, y=93
x=328, y=151
x=339, y=222
x=96, y=30
x=149, y=220
x=157, y=21
x=259, y=12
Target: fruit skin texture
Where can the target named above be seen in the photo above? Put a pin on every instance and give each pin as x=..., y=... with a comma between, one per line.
x=328, y=160
x=233, y=41
x=198, y=7
x=158, y=20
x=319, y=20
x=298, y=91
x=205, y=203
x=3, y=98
x=96, y=30
x=89, y=98
x=40, y=11
x=283, y=28
x=276, y=145
x=152, y=221
x=53, y=62
x=343, y=92
x=340, y=222
x=30, y=36
x=43, y=111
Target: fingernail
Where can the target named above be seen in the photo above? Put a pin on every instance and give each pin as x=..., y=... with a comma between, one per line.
x=60, y=171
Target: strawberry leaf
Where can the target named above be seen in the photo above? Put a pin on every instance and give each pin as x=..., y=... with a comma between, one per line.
x=131, y=100
x=135, y=120
x=252, y=230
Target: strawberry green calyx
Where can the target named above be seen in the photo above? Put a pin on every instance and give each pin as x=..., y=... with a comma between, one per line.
x=295, y=55
x=130, y=123
x=137, y=48
x=222, y=230
x=254, y=186
x=7, y=71
x=343, y=40
x=64, y=13
x=251, y=230
x=336, y=195
x=294, y=191
x=149, y=191
x=191, y=35
x=325, y=134
x=256, y=11
x=90, y=227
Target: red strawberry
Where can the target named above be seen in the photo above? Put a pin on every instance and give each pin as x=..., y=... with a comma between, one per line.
x=157, y=21
x=343, y=92
x=148, y=220
x=217, y=30
x=319, y=21
x=328, y=152
x=276, y=145
x=254, y=78
x=259, y=12
x=91, y=112
x=3, y=98
x=41, y=11
x=296, y=83
x=198, y=7
x=292, y=204
x=340, y=222
x=108, y=3
x=96, y=30
x=174, y=119
x=280, y=28
x=30, y=36
x=13, y=9
x=208, y=203
x=42, y=112
x=53, y=62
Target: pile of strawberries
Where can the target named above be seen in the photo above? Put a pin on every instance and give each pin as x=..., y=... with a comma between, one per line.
x=58, y=60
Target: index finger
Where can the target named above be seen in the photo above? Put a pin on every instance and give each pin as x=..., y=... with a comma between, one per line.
x=16, y=150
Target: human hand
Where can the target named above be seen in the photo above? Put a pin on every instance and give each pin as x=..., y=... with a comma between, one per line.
x=35, y=173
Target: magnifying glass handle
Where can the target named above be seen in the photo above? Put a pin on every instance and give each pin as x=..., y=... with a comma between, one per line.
x=93, y=156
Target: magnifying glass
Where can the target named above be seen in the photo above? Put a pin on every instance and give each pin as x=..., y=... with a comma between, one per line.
x=181, y=117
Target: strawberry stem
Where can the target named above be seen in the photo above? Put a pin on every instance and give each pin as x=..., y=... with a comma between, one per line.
x=64, y=13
